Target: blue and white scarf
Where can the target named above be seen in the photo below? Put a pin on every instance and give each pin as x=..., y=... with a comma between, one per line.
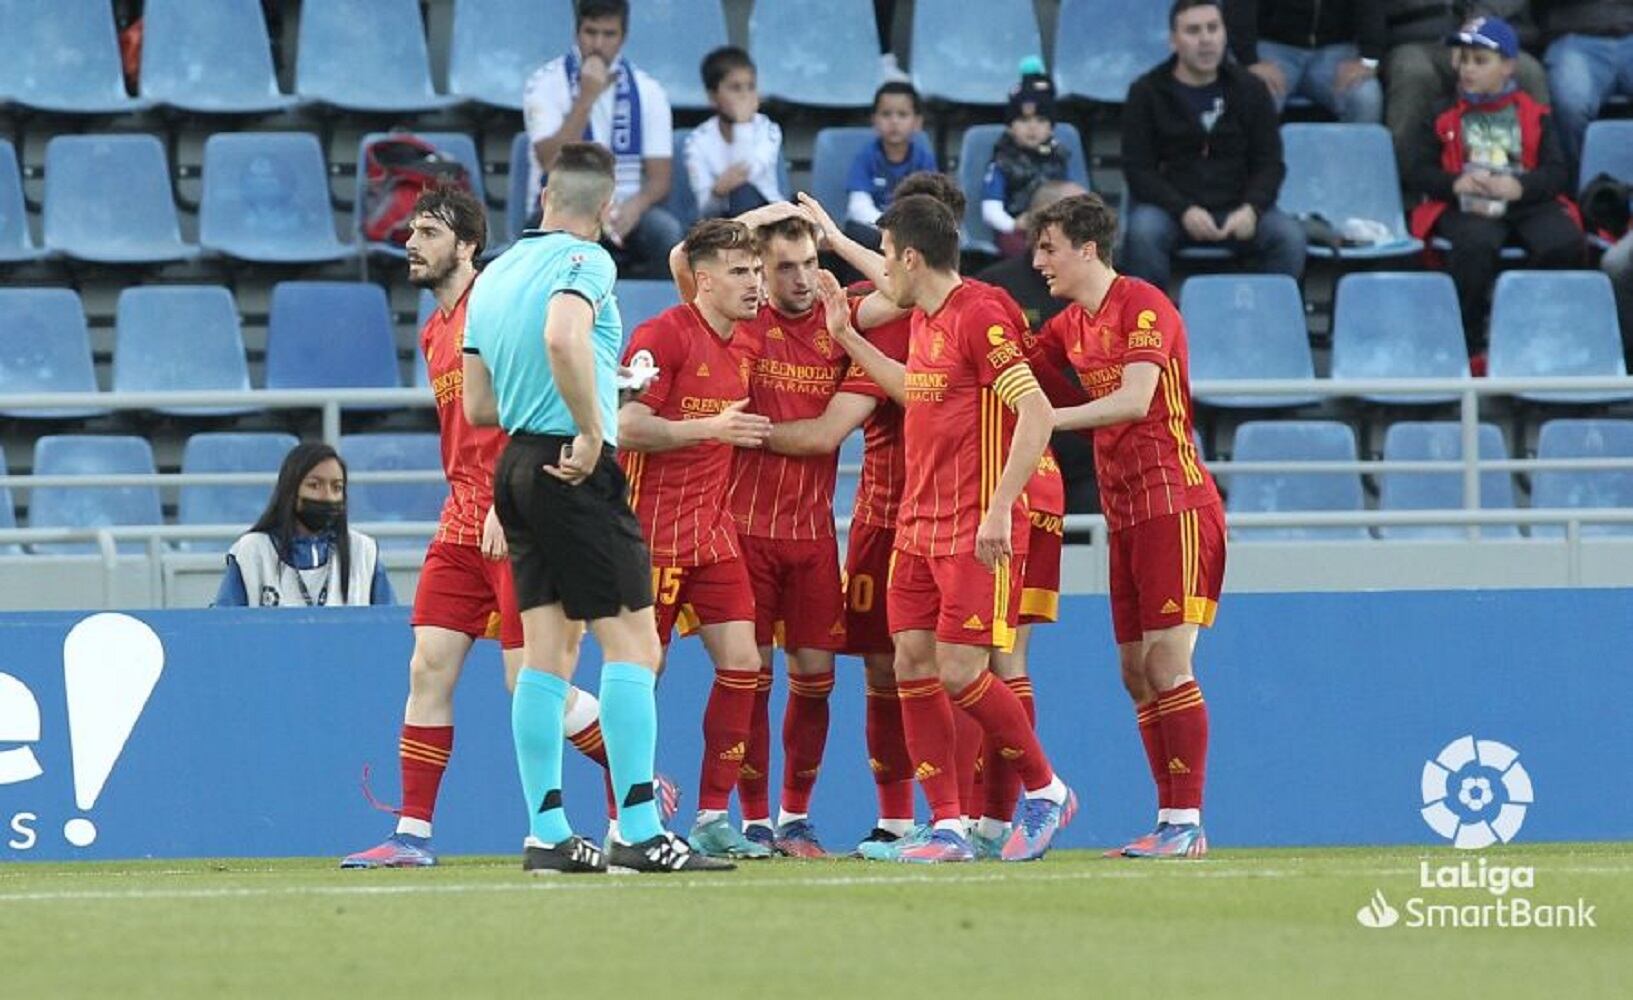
x=625, y=138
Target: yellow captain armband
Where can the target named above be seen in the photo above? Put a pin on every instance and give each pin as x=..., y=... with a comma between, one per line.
x=1015, y=383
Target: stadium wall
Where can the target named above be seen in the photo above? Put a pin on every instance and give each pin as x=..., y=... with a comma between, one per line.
x=248, y=731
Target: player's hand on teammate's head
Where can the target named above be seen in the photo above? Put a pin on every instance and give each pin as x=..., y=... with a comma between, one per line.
x=737, y=427
x=835, y=304
x=819, y=215
x=577, y=460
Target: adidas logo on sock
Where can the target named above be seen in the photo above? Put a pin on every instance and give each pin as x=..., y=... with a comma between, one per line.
x=812, y=773
x=748, y=771
x=1011, y=753
x=1177, y=766
x=737, y=752
x=925, y=771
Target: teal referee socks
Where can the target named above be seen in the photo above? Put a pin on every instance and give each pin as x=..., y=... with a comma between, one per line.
x=629, y=724
x=536, y=722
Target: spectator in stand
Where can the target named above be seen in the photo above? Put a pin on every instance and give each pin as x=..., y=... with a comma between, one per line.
x=1590, y=57
x=733, y=158
x=1618, y=263
x=899, y=150
x=594, y=94
x=1418, y=72
x=302, y=553
x=1202, y=155
x=1325, y=51
x=1490, y=167
x=1025, y=157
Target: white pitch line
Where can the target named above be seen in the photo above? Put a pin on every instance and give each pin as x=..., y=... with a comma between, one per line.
x=591, y=884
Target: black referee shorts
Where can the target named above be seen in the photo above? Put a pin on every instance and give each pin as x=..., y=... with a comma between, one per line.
x=579, y=546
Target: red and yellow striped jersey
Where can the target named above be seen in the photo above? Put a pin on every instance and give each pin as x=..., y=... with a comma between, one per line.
x=884, y=464
x=794, y=369
x=965, y=370
x=676, y=494
x=1150, y=467
x=468, y=453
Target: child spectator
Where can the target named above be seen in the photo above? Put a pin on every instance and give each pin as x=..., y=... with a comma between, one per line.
x=899, y=150
x=1490, y=167
x=733, y=158
x=1026, y=156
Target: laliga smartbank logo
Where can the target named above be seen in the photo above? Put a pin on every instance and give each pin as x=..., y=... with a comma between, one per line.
x=1475, y=794
x=110, y=665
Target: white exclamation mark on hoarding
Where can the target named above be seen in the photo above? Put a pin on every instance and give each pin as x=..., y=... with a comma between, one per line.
x=110, y=664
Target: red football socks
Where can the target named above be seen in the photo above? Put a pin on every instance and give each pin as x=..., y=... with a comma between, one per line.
x=725, y=735
x=1156, y=751
x=1001, y=714
x=1002, y=785
x=927, y=721
x=753, y=787
x=804, y=737
x=887, y=753
x=1184, y=719
x=968, y=738
x=423, y=754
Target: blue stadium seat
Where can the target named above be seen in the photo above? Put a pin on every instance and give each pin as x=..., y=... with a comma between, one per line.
x=45, y=347
x=210, y=58
x=108, y=200
x=1607, y=149
x=1345, y=172
x=1388, y=325
x=16, y=245
x=1583, y=489
x=266, y=199
x=330, y=334
x=520, y=202
x=427, y=304
x=970, y=53
x=63, y=57
x=1295, y=440
x=831, y=158
x=1556, y=323
x=228, y=452
x=669, y=38
x=365, y=55
x=1441, y=441
x=639, y=301
x=393, y=501
x=8, y=514
x=836, y=67
x=1103, y=46
x=92, y=506
x=457, y=145
x=1247, y=326
x=497, y=44
x=975, y=153
x=176, y=338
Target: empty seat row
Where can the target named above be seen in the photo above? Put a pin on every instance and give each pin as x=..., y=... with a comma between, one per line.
x=225, y=452
x=1402, y=325
x=1331, y=441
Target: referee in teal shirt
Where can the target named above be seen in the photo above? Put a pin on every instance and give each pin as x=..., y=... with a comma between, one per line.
x=542, y=340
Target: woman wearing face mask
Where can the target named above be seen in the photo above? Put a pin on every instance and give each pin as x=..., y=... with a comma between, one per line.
x=300, y=553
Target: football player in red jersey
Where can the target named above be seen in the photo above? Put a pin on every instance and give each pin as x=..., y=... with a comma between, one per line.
x=975, y=427
x=676, y=442
x=1127, y=343
x=464, y=591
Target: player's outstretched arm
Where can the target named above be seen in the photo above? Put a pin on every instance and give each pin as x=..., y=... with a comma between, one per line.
x=1129, y=402
x=681, y=271
x=887, y=372
x=1034, y=421
x=824, y=434
x=870, y=263
x=640, y=429
x=481, y=405
x=567, y=345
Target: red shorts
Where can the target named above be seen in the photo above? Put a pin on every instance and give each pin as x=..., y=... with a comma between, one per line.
x=799, y=600
x=1040, y=587
x=961, y=600
x=461, y=591
x=694, y=596
x=867, y=571
x=1167, y=572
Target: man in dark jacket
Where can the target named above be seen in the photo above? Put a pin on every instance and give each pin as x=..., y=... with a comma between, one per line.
x=1590, y=57
x=1202, y=156
x=1489, y=167
x=1418, y=74
x=1325, y=50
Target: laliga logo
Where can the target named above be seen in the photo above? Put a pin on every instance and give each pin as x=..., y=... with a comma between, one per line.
x=110, y=665
x=1475, y=793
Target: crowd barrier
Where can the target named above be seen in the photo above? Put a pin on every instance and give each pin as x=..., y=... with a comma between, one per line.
x=246, y=732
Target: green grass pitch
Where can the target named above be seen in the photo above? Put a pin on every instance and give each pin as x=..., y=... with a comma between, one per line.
x=1252, y=924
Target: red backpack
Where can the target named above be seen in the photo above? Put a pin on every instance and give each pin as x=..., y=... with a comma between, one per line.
x=397, y=170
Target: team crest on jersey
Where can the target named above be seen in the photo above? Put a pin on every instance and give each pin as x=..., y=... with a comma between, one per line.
x=938, y=343
x=1106, y=337
x=824, y=343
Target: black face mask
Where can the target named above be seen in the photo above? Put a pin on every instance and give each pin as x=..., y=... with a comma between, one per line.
x=319, y=515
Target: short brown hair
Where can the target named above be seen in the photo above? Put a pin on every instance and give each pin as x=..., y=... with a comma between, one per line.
x=457, y=208
x=920, y=222
x=711, y=238
x=1082, y=218
x=942, y=187
x=791, y=227
x=582, y=177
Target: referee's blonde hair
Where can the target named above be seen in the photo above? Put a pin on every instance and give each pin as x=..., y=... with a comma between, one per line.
x=580, y=181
